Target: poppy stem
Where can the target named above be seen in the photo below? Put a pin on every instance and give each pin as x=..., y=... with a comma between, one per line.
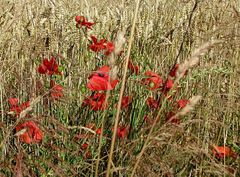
x=101, y=134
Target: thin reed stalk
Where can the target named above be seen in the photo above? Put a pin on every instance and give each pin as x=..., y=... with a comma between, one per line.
x=122, y=90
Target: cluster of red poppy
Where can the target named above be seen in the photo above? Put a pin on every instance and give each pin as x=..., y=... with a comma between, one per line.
x=100, y=80
x=29, y=131
x=50, y=67
x=98, y=83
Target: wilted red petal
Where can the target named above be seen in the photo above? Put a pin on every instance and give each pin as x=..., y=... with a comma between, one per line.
x=79, y=19
x=182, y=103
x=98, y=131
x=84, y=146
x=167, y=86
x=13, y=101
x=25, y=138
x=174, y=70
x=32, y=134
x=103, y=41
x=88, y=25
x=122, y=132
x=96, y=102
x=223, y=151
x=88, y=154
x=94, y=39
x=114, y=83
x=152, y=103
x=24, y=105
x=109, y=48
x=56, y=91
x=46, y=62
x=42, y=69
x=136, y=69
x=146, y=118
x=126, y=100
x=133, y=68
x=16, y=107
x=104, y=69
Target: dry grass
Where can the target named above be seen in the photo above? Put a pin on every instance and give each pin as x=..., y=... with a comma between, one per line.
x=166, y=32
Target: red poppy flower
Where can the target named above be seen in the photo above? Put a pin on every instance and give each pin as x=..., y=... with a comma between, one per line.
x=146, y=118
x=167, y=86
x=152, y=103
x=16, y=107
x=109, y=48
x=81, y=21
x=173, y=71
x=98, y=131
x=100, y=80
x=84, y=146
x=133, y=68
x=126, y=101
x=56, y=90
x=152, y=80
x=122, y=132
x=96, y=102
x=31, y=134
x=182, y=103
x=49, y=67
x=98, y=46
x=88, y=155
x=172, y=118
x=223, y=151
x=13, y=101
